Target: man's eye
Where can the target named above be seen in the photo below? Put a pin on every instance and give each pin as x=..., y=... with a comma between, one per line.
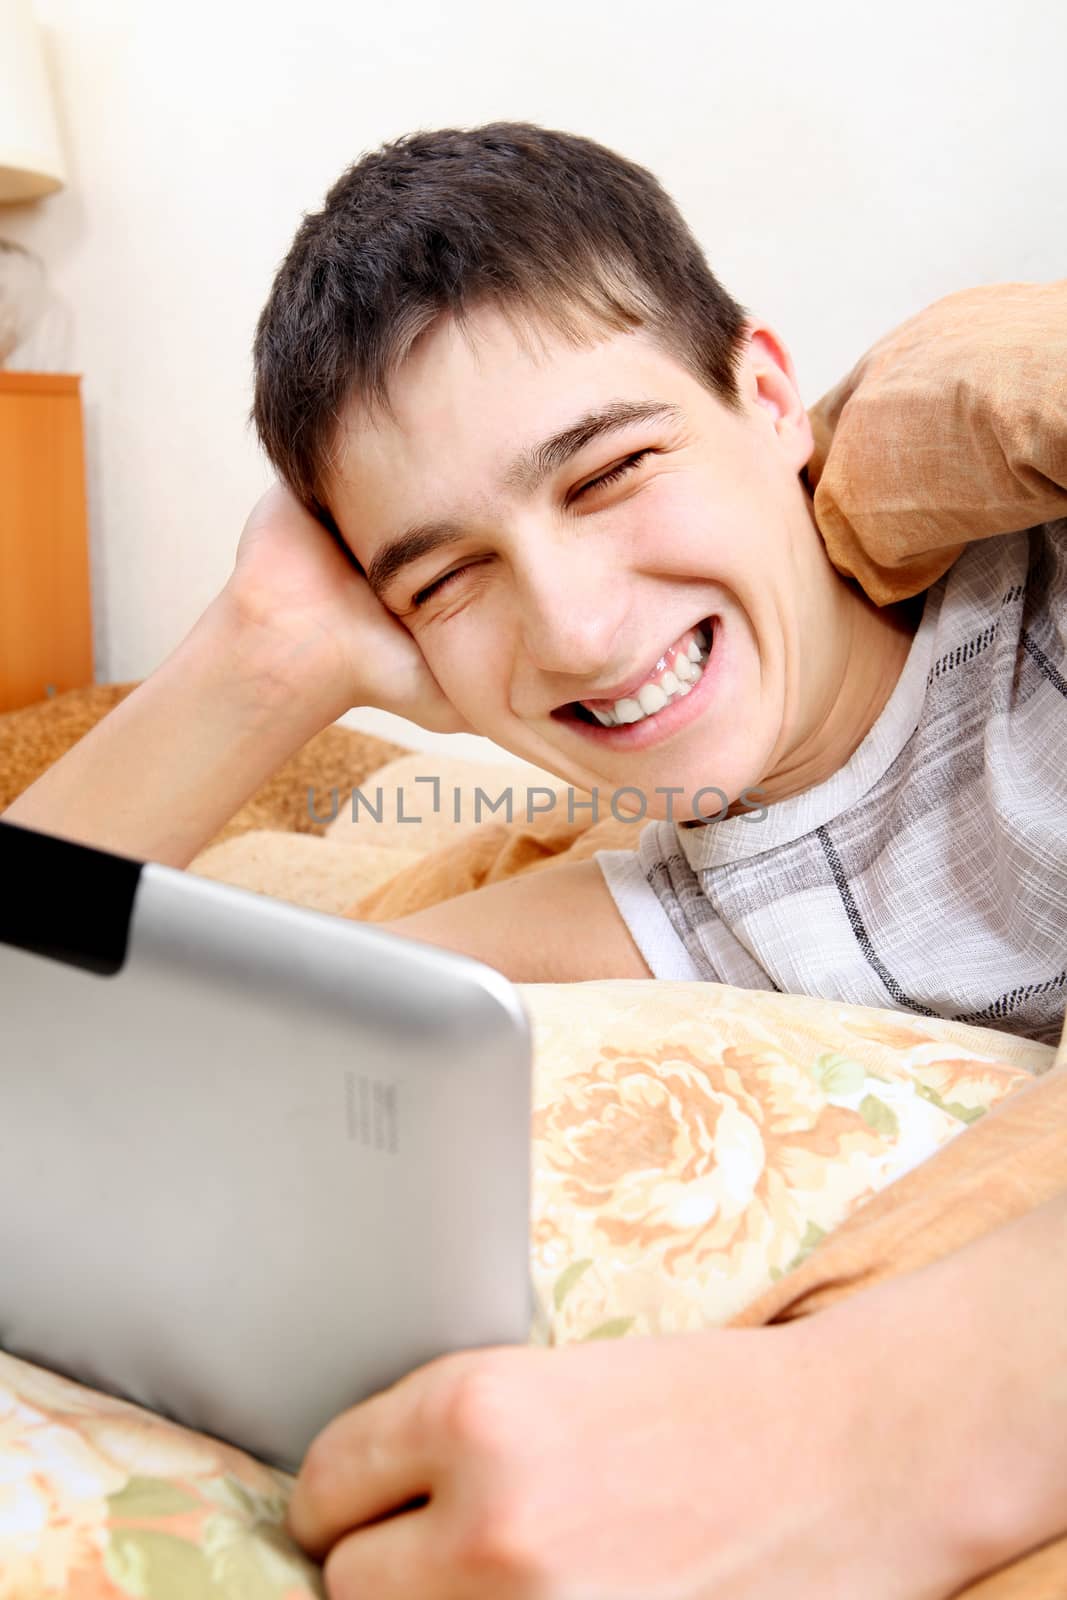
x=435, y=587
x=616, y=472
x=603, y=481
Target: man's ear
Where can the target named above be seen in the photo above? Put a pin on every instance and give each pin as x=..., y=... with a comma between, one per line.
x=768, y=384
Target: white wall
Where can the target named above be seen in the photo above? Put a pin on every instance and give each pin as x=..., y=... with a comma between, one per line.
x=842, y=164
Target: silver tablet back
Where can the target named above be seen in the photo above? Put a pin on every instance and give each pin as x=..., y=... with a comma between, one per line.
x=265, y=1165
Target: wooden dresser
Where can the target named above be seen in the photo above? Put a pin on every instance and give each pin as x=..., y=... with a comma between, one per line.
x=46, y=636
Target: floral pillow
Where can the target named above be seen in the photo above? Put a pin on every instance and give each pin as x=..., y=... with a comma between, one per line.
x=100, y=1500
x=691, y=1144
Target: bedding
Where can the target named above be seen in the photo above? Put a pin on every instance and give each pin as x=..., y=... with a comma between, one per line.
x=35, y=736
x=952, y=428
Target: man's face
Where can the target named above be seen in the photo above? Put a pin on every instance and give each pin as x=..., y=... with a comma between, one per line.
x=585, y=576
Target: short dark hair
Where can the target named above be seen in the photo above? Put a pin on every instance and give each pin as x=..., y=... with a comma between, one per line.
x=542, y=224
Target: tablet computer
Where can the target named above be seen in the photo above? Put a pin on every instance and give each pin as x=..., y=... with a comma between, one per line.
x=256, y=1162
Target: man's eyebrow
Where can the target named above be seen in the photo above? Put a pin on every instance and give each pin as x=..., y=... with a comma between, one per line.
x=526, y=473
x=534, y=465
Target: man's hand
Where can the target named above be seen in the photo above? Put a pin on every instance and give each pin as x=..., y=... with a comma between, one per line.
x=294, y=638
x=293, y=582
x=724, y=1465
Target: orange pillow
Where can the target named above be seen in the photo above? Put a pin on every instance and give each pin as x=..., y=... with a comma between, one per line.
x=951, y=428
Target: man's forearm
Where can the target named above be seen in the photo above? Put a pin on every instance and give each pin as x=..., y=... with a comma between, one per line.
x=962, y=1370
x=1005, y=1302
x=159, y=776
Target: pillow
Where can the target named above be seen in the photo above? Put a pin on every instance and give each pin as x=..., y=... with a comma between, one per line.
x=951, y=428
x=301, y=869
x=691, y=1144
x=100, y=1500
x=400, y=792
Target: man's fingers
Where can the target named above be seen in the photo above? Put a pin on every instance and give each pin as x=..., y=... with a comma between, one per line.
x=393, y=1560
x=366, y=1464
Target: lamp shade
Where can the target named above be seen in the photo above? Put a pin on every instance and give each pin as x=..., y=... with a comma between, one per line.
x=31, y=163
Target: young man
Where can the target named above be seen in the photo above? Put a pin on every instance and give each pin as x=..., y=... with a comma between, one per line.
x=561, y=468
x=562, y=456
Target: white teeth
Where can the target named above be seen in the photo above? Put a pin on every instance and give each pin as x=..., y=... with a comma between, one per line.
x=628, y=711
x=671, y=684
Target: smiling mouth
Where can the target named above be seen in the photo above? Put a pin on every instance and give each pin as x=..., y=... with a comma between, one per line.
x=675, y=675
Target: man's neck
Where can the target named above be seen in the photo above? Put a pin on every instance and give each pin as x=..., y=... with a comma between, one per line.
x=874, y=642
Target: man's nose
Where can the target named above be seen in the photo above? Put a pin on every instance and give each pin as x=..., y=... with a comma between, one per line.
x=570, y=614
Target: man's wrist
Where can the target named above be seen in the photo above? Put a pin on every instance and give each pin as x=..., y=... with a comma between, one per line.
x=275, y=667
